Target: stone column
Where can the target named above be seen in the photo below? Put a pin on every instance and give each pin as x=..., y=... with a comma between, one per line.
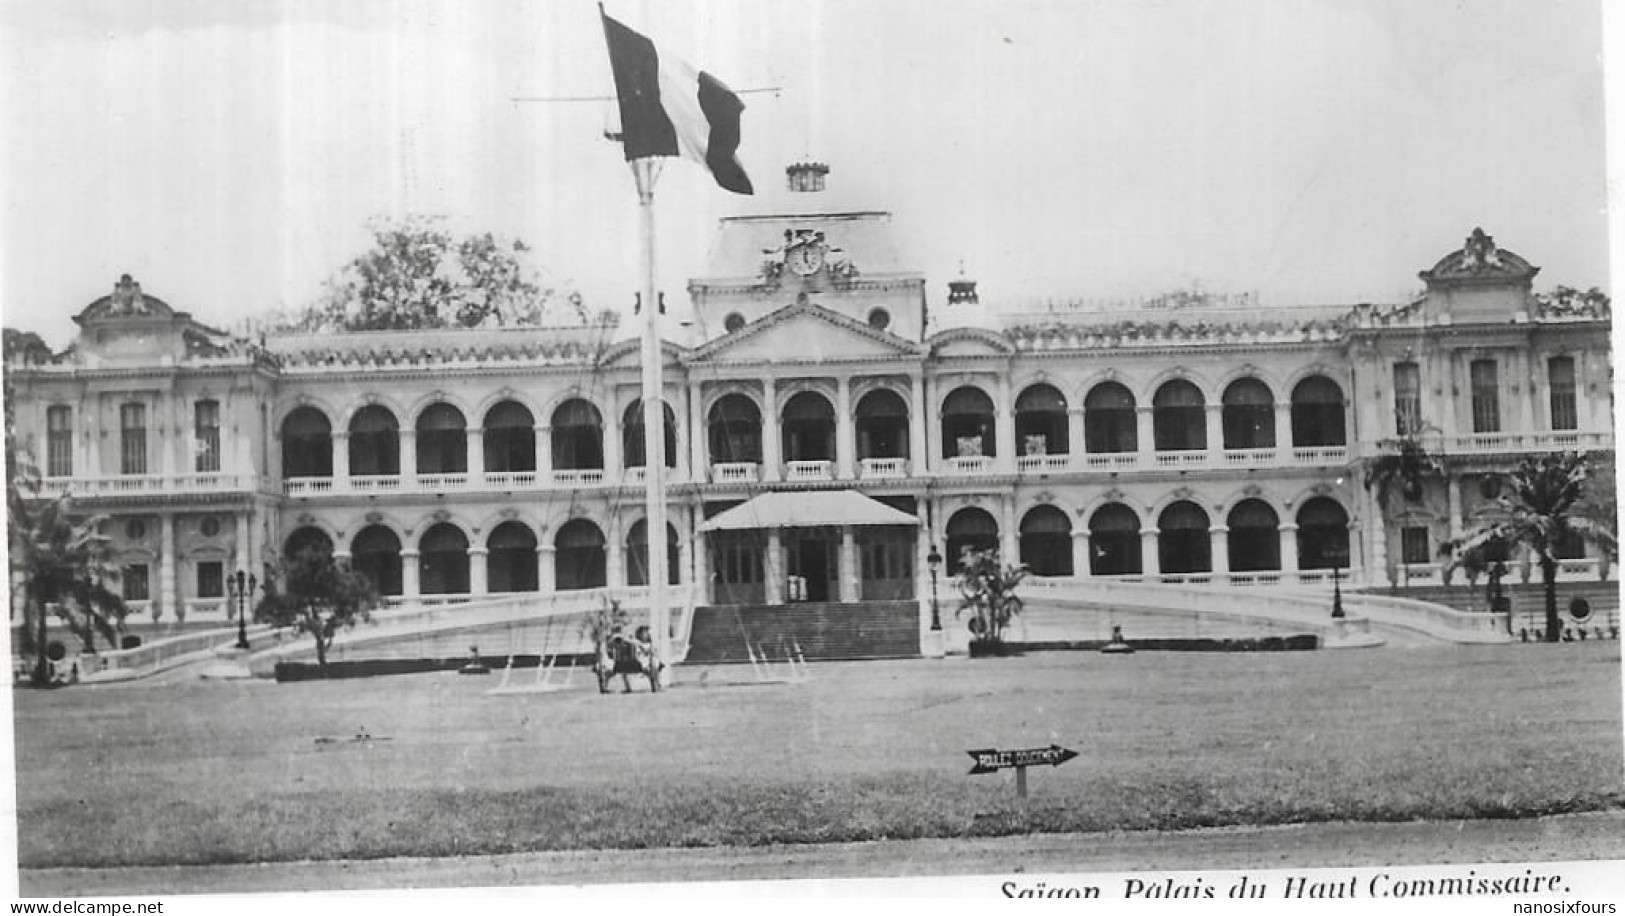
x=476, y=455
x=1214, y=415
x=1289, y=552
x=1283, y=430
x=611, y=433
x=930, y=419
x=698, y=436
x=615, y=554
x=341, y=459
x=773, y=569
x=1219, y=551
x=544, y=453
x=1377, y=535
x=1150, y=560
x=1009, y=534
x=1145, y=430
x=919, y=421
x=1443, y=374
x=847, y=563
x=89, y=461
x=1004, y=426
x=772, y=464
x=1453, y=495
x=409, y=456
x=409, y=574
x=165, y=425
x=169, y=596
x=546, y=583
x=478, y=570
x=1074, y=436
x=685, y=545
x=243, y=558
x=1525, y=389
x=1080, y=552
x=846, y=447
x=702, y=559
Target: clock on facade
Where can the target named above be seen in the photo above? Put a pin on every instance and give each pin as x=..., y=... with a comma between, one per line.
x=805, y=259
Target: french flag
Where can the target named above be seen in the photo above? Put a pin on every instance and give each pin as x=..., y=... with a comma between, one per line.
x=670, y=109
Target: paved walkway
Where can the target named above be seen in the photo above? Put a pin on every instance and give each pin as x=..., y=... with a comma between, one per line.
x=1578, y=837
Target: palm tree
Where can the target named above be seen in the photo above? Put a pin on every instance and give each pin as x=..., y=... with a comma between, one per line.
x=1542, y=504
x=65, y=564
x=1406, y=468
x=989, y=591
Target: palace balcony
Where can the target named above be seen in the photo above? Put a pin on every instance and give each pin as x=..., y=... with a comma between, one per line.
x=883, y=468
x=147, y=485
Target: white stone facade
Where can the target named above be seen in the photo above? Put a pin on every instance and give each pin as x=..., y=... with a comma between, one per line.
x=1182, y=440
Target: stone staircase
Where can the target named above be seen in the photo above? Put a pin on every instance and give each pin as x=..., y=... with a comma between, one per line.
x=1528, y=600
x=821, y=632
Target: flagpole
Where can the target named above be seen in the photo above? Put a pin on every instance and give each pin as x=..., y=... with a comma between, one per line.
x=646, y=171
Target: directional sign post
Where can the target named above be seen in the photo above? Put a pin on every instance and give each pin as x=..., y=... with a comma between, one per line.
x=992, y=761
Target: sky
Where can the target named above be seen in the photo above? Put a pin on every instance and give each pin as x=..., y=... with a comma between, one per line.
x=230, y=154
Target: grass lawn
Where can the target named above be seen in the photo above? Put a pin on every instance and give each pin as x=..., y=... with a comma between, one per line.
x=235, y=771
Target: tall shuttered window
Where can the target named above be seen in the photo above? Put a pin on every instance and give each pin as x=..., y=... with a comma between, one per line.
x=1407, y=398
x=133, y=439
x=59, y=441
x=1486, y=385
x=206, y=435
x=1560, y=375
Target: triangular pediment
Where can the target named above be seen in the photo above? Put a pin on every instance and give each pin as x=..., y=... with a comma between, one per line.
x=805, y=332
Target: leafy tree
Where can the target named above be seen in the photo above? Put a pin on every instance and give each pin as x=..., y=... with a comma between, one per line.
x=989, y=594
x=418, y=276
x=1541, y=501
x=317, y=595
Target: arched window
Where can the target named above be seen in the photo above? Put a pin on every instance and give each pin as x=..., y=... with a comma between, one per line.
x=442, y=440
x=632, y=435
x=967, y=424
x=882, y=425
x=1178, y=417
x=637, y=554
x=579, y=556
x=1046, y=542
x=1317, y=413
x=1255, y=537
x=735, y=430
x=511, y=562
x=1248, y=414
x=443, y=561
x=1183, y=546
x=1114, y=541
x=1109, y=425
x=1323, y=534
x=510, y=438
x=307, y=444
x=1041, y=421
x=376, y=553
x=970, y=529
x=375, y=442
x=306, y=539
x=578, y=437
x=808, y=428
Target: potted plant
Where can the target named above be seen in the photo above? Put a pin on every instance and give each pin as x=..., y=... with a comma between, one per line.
x=989, y=599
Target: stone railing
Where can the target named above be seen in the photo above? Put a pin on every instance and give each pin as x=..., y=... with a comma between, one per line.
x=809, y=470
x=1043, y=463
x=145, y=484
x=971, y=464
x=877, y=468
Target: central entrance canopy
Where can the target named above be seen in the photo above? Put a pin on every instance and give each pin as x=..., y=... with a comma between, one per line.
x=818, y=546
x=808, y=509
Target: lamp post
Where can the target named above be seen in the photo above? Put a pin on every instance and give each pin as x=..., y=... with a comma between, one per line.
x=241, y=587
x=1337, y=584
x=934, y=561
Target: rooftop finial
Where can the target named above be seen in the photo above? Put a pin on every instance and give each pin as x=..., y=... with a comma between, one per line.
x=806, y=176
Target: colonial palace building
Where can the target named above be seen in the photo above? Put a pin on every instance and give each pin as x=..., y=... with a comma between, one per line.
x=854, y=416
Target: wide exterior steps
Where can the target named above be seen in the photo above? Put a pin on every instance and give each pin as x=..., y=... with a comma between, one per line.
x=1528, y=600
x=819, y=632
